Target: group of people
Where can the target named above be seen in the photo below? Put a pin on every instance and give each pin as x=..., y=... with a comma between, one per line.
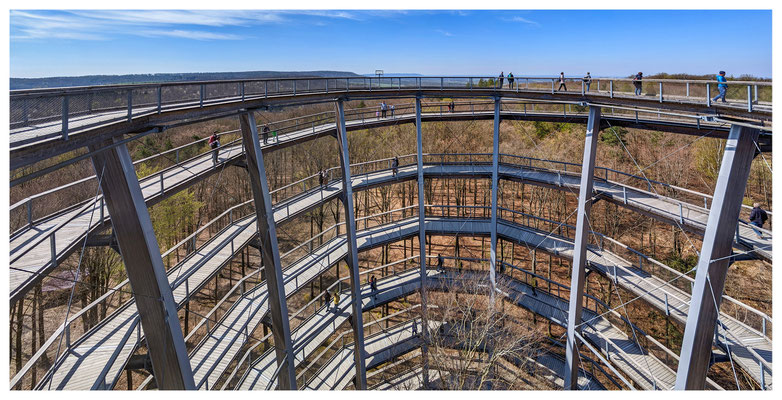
x=384, y=110
x=722, y=85
x=511, y=79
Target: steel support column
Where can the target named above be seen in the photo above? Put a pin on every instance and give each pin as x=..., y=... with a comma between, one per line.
x=717, y=246
x=352, y=258
x=144, y=266
x=422, y=241
x=580, y=248
x=495, y=158
x=270, y=252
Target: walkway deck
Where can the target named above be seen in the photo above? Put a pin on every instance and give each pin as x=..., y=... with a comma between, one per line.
x=95, y=360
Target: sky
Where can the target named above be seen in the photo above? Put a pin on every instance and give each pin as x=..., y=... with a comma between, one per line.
x=538, y=42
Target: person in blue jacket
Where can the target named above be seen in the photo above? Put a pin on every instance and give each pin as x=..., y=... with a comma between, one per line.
x=721, y=86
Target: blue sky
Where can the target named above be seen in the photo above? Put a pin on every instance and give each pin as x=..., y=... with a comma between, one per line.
x=606, y=43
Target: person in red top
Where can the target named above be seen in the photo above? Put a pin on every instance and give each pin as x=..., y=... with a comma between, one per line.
x=214, y=144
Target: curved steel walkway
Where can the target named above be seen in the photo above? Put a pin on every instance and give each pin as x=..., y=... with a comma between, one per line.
x=38, y=248
x=69, y=113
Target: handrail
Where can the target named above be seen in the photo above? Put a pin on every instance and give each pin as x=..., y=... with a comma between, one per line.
x=83, y=89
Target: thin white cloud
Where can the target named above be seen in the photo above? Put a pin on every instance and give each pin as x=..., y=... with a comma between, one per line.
x=444, y=33
x=105, y=24
x=185, y=34
x=522, y=20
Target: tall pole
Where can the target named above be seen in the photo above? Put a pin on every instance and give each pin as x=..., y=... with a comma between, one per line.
x=270, y=252
x=146, y=273
x=494, y=188
x=580, y=247
x=422, y=241
x=352, y=258
x=713, y=261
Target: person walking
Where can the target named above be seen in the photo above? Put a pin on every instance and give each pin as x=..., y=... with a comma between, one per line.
x=451, y=106
x=336, y=301
x=383, y=109
x=562, y=82
x=415, y=327
x=637, y=82
x=587, y=82
x=510, y=80
x=502, y=78
x=373, y=286
x=440, y=262
x=265, y=134
x=214, y=144
x=395, y=165
x=723, y=87
x=757, y=218
x=392, y=111
x=327, y=300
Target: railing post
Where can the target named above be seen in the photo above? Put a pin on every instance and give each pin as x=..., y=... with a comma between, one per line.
x=708, y=95
x=749, y=98
x=65, y=117
x=667, y=312
x=130, y=105
x=159, y=99
x=201, y=96
x=53, y=248
x=681, y=214
x=294, y=87
x=688, y=89
x=441, y=83
x=661, y=92
x=241, y=89
x=327, y=85
x=611, y=89
x=265, y=88
x=552, y=86
x=756, y=93
x=30, y=212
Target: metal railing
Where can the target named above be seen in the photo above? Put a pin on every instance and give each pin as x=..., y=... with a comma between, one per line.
x=56, y=112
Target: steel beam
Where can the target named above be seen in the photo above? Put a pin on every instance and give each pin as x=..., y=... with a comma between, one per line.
x=352, y=258
x=495, y=158
x=144, y=266
x=714, y=259
x=580, y=248
x=270, y=252
x=422, y=241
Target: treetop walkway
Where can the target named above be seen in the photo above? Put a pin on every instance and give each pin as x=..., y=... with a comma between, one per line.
x=41, y=244
x=94, y=113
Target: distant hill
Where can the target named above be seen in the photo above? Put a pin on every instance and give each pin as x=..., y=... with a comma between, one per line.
x=90, y=80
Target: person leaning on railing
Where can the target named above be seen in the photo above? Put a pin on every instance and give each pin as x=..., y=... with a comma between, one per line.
x=265, y=134
x=587, y=81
